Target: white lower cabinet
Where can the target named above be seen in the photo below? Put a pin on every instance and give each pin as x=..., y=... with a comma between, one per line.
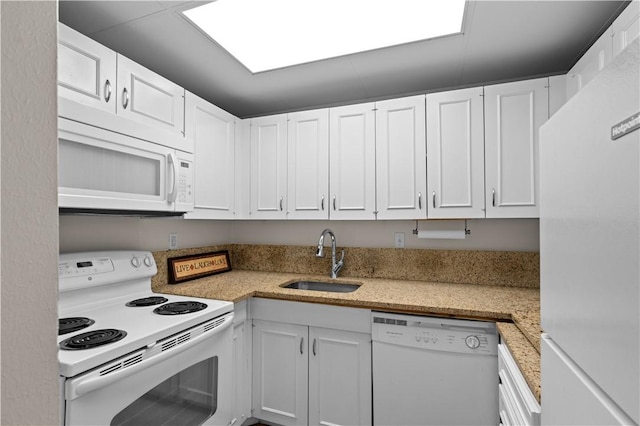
x=517, y=404
x=309, y=375
x=241, y=363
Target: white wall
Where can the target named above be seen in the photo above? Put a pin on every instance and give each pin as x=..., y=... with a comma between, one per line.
x=80, y=233
x=86, y=233
x=486, y=234
x=29, y=232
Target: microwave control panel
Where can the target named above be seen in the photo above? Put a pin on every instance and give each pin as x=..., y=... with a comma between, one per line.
x=185, y=182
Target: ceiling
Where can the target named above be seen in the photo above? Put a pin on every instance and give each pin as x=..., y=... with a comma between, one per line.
x=502, y=41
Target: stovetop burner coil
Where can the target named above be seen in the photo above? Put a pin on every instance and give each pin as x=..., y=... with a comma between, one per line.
x=179, y=308
x=92, y=339
x=69, y=325
x=148, y=301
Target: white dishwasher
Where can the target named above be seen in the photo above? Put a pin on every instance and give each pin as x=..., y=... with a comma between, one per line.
x=433, y=371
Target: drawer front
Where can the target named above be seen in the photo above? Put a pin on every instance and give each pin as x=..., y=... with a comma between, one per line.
x=516, y=399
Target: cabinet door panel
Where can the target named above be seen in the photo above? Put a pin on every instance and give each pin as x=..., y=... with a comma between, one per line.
x=352, y=162
x=339, y=377
x=86, y=70
x=401, y=158
x=514, y=113
x=308, y=177
x=626, y=27
x=455, y=154
x=213, y=132
x=280, y=372
x=148, y=97
x=269, y=167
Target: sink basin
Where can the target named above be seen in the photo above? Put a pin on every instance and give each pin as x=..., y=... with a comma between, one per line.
x=323, y=286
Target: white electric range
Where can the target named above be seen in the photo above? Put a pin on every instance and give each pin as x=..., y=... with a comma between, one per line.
x=129, y=355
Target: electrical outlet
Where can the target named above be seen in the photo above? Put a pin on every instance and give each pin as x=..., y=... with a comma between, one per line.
x=173, y=241
x=399, y=239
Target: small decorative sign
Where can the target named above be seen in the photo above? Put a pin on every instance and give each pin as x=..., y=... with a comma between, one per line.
x=626, y=126
x=185, y=268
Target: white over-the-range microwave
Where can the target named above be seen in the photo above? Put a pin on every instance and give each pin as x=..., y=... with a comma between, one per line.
x=105, y=169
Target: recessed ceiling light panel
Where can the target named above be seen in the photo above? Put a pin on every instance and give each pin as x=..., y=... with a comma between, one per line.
x=270, y=34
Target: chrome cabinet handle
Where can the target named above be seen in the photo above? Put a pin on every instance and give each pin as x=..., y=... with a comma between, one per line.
x=107, y=91
x=334, y=203
x=281, y=199
x=434, y=199
x=493, y=197
x=419, y=200
x=301, y=345
x=314, y=347
x=125, y=98
x=322, y=203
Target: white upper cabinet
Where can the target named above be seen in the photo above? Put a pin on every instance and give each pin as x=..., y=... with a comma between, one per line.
x=213, y=132
x=590, y=64
x=455, y=154
x=626, y=27
x=308, y=164
x=86, y=70
x=514, y=113
x=148, y=97
x=268, y=167
x=352, y=149
x=401, y=158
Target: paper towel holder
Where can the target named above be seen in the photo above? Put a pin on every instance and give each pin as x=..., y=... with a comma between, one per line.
x=467, y=231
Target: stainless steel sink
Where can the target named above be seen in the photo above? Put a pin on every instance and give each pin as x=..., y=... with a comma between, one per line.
x=335, y=287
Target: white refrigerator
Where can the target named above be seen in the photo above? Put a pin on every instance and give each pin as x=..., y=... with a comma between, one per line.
x=590, y=252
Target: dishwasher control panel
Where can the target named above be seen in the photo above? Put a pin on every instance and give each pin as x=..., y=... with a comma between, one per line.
x=437, y=334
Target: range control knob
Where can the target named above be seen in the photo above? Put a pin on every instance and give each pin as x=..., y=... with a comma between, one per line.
x=472, y=342
x=135, y=262
x=148, y=262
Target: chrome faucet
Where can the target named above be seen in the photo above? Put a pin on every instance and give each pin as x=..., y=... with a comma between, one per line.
x=335, y=267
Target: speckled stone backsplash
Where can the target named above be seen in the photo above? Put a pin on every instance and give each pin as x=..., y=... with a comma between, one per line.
x=512, y=269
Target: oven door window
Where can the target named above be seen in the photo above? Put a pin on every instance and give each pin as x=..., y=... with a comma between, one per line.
x=188, y=398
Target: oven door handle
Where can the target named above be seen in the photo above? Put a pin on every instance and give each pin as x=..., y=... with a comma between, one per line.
x=83, y=385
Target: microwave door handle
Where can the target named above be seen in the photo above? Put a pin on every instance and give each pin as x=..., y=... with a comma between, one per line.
x=171, y=159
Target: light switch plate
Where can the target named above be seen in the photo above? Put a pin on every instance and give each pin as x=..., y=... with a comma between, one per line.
x=173, y=241
x=399, y=239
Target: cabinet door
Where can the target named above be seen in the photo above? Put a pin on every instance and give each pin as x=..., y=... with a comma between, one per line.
x=269, y=167
x=86, y=70
x=455, y=154
x=626, y=27
x=213, y=132
x=352, y=154
x=401, y=158
x=308, y=163
x=591, y=63
x=149, y=98
x=280, y=366
x=339, y=377
x=514, y=113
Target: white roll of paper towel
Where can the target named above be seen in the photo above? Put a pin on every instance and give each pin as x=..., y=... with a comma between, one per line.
x=443, y=234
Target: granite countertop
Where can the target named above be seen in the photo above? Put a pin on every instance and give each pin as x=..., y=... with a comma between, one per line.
x=515, y=309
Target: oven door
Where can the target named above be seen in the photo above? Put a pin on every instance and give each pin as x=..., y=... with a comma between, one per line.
x=182, y=380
